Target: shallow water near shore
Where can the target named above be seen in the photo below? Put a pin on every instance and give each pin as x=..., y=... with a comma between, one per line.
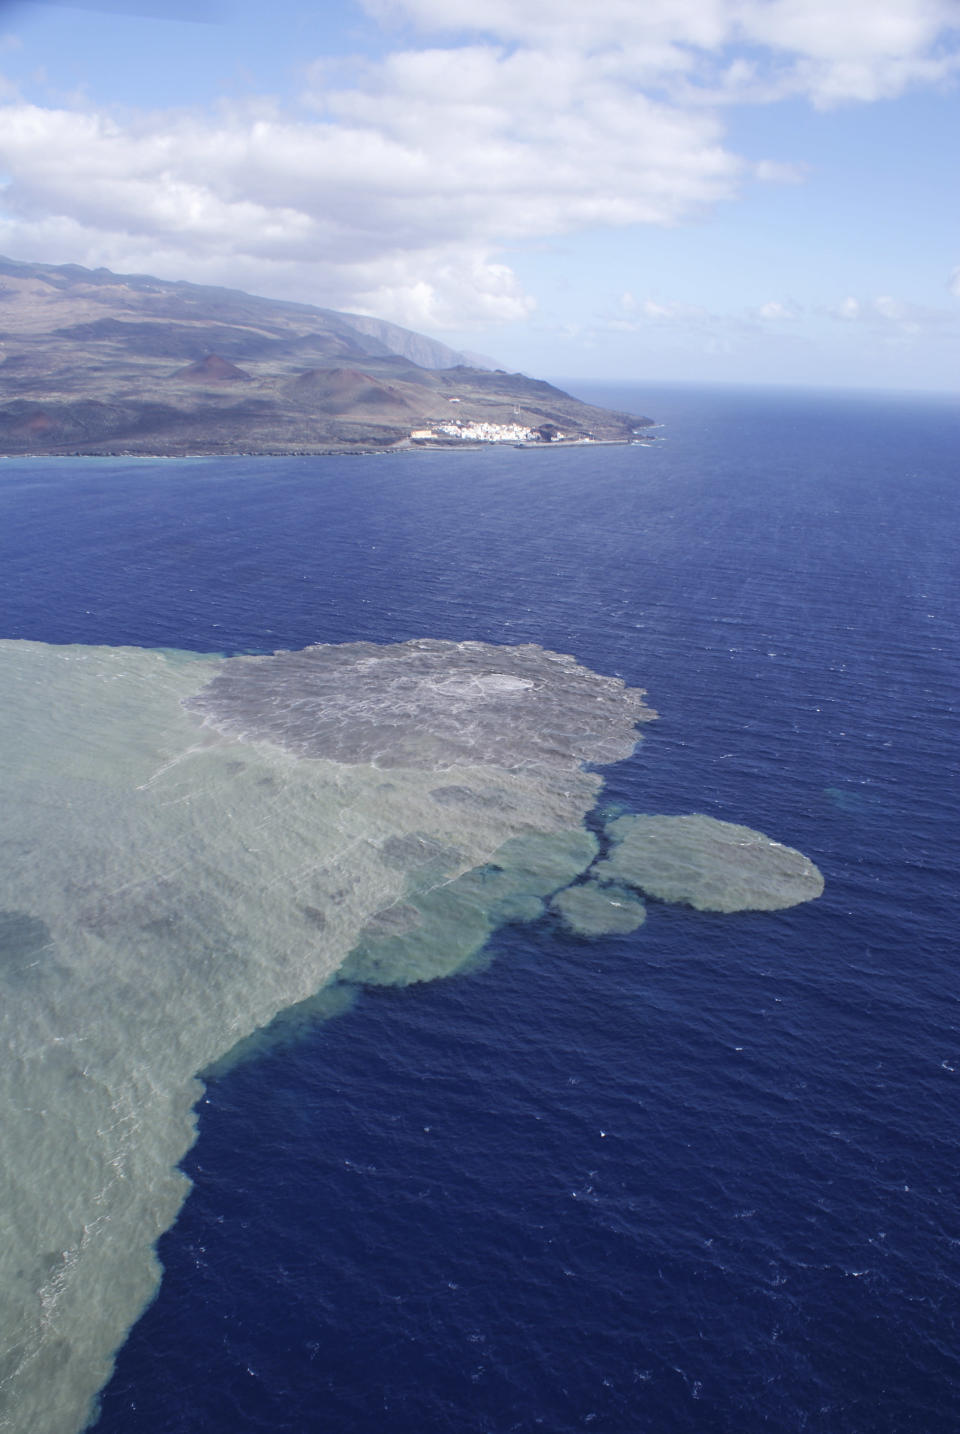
x=699, y=1176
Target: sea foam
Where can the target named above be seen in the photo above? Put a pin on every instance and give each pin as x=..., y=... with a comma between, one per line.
x=708, y=864
x=194, y=845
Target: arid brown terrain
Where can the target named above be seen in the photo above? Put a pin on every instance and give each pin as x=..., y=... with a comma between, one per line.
x=96, y=362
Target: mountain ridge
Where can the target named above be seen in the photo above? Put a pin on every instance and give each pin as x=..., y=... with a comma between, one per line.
x=97, y=362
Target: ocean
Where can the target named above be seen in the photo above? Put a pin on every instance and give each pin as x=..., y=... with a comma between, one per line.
x=701, y=1178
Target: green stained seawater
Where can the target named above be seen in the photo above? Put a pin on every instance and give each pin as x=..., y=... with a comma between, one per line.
x=167, y=889
x=592, y=909
x=193, y=846
x=708, y=864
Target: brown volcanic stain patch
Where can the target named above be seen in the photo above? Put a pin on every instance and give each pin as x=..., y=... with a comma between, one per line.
x=35, y=425
x=213, y=369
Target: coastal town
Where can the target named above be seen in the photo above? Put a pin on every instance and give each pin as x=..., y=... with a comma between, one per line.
x=473, y=431
x=441, y=432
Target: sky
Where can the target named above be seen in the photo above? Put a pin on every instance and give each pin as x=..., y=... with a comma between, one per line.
x=744, y=191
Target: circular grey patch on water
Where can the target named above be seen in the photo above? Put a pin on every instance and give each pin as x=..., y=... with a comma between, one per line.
x=427, y=704
x=593, y=910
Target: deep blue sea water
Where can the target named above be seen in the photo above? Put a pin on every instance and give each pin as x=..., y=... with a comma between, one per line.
x=699, y=1180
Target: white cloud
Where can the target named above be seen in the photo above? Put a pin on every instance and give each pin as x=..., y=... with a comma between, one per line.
x=829, y=51
x=398, y=193
x=769, y=171
x=885, y=313
x=567, y=23
x=515, y=121
x=774, y=310
x=671, y=313
x=642, y=315
x=462, y=290
x=637, y=315
x=889, y=308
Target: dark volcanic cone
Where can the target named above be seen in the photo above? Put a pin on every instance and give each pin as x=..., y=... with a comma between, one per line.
x=213, y=369
x=347, y=390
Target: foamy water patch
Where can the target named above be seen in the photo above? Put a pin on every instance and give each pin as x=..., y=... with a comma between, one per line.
x=708, y=864
x=193, y=846
x=590, y=909
x=428, y=704
x=440, y=930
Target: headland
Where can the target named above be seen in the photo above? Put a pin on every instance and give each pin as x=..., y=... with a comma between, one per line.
x=95, y=363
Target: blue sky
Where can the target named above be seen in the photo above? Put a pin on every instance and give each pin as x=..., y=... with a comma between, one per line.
x=712, y=190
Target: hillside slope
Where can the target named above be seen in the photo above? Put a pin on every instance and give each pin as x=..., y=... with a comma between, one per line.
x=95, y=362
